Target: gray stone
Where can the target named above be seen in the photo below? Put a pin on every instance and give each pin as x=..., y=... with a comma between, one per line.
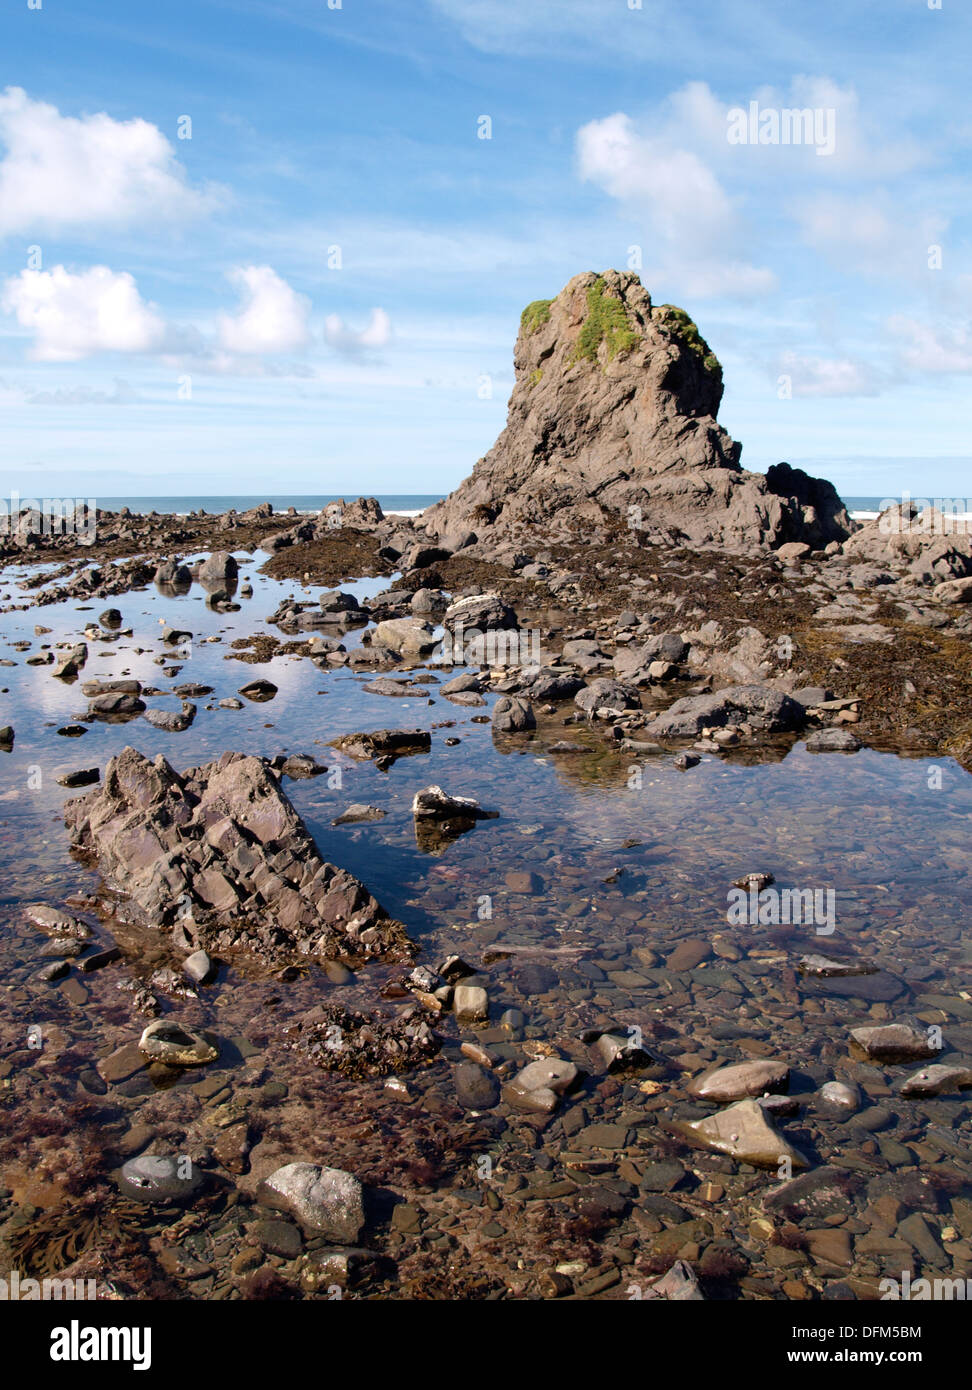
x=328, y=1200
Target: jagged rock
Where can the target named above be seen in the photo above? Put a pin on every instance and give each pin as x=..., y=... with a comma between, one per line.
x=605, y=698
x=613, y=414
x=679, y=1285
x=357, y=1045
x=172, y=573
x=484, y=612
x=170, y=720
x=513, y=715
x=56, y=921
x=258, y=690
x=220, y=850
x=761, y=706
x=219, y=566
x=932, y=546
x=432, y=803
x=382, y=743
x=321, y=1199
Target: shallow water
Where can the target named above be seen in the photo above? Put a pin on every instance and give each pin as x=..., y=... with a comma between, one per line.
x=627, y=853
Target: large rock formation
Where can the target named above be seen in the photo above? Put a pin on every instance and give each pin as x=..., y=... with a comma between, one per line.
x=613, y=414
x=219, y=855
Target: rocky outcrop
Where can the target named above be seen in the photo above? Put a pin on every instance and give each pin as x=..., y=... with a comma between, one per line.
x=219, y=855
x=613, y=417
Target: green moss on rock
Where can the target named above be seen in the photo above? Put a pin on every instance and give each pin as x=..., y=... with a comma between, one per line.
x=535, y=315
x=607, y=323
x=678, y=322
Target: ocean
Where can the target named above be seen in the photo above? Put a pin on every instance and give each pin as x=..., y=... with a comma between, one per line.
x=405, y=504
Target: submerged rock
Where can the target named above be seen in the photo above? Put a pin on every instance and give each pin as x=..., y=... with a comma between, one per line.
x=893, y=1042
x=745, y=1133
x=328, y=1200
x=177, y=1046
x=160, y=1180
x=940, y=1079
x=741, y=1079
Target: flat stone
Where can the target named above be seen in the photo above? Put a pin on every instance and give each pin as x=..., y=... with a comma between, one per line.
x=160, y=1180
x=741, y=1079
x=936, y=1080
x=893, y=1042
x=745, y=1133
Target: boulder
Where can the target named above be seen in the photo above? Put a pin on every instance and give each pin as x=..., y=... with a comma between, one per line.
x=761, y=706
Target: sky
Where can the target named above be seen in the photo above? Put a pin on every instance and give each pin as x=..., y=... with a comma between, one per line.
x=260, y=246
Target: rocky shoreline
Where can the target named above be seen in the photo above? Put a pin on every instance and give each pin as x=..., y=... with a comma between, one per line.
x=230, y=1072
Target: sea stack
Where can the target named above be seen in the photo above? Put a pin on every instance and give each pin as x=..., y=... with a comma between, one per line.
x=613, y=419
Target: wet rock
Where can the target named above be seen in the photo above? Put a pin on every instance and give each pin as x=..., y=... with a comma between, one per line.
x=357, y=1045
x=160, y=1180
x=358, y=812
x=745, y=1133
x=218, y=566
x=825, y=968
x=679, y=1285
x=432, y=803
x=56, y=970
x=57, y=922
x=381, y=743
x=173, y=573
x=81, y=777
x=177, y=1046
x=277, y=1238
x=683, y=761
x=221, y=848
x=328, y=1200
x=893, y=1042
x=301, y=766
x=740, y=1080
x=100, y=959
x=761, y=706
x=6, y=737
x=606, y=698
x=937, y=1080
x=832, y=741
x=513, y=715
x=824, y=1192
x=842, y=1097
x=114, y=703
x=169, y=720
x=476, y=1089
x=616, y=1053
x=470, y=1003
x=540, y=1085
x=111, y=618
x=198, y=967
x=259, y=690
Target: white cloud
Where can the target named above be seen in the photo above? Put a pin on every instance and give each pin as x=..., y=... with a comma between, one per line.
x=65, y=171
x=376, y=335
x=940, y=350
x=122, y=393
x=692, y=224
x=73, y=316
x=827, y=376
x=273, y=317
x=869, y=232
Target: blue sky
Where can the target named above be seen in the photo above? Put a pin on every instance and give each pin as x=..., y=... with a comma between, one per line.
x=319, y=290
